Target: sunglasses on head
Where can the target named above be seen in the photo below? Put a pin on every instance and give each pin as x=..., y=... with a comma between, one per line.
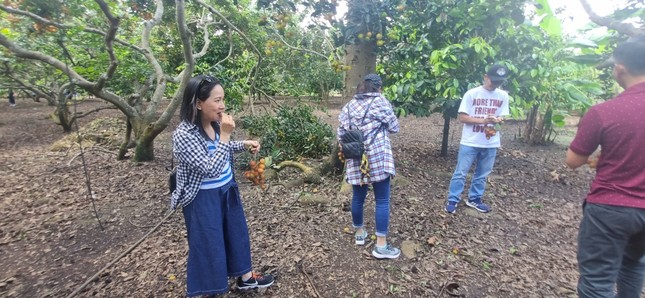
x=205, y=79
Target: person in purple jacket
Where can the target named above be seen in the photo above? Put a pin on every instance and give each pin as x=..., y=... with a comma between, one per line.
x=611, y=239
x=372, y=113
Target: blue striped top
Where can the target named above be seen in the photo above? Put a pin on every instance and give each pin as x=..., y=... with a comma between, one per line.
x=224, y=177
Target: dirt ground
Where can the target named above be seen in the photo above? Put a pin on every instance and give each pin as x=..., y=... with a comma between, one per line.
x=51, y=242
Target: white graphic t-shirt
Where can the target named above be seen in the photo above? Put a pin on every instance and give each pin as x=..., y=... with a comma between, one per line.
x=479, y=103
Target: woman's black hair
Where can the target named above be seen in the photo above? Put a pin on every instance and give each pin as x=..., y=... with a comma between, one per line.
x=198, y=88
x=360, y=88
x=371, y=87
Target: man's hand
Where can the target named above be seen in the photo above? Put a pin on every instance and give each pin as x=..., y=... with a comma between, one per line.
x=593, y=161
x=492, y=119
x=575, y=160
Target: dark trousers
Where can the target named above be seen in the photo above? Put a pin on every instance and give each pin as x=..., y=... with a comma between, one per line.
x=611, y=252
x=218, y=240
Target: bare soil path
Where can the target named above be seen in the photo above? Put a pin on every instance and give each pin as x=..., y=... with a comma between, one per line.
x=50, y=241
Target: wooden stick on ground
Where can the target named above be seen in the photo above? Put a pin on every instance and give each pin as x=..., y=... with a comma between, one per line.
x=311, y=283
x=89, y=280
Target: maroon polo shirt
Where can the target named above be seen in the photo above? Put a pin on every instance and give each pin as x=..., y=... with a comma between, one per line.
x=618, y=127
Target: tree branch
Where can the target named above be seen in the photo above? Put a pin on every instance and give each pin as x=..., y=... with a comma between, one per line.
x=160, y=76
x=230, y=48
x=9, y=72
x=255, y=69
x=187, y=72
x=299, y=49
x=109, y=40
x=621, y=27
x=65, y=26
x=207, y=40
x=63, y=67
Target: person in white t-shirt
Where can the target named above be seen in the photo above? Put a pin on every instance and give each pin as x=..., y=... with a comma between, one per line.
x=480, y=110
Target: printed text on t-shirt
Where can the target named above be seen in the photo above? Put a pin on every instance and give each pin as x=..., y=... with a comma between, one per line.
x=483, y=107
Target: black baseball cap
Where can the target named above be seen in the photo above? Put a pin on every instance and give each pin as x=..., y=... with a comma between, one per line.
x=498, y=73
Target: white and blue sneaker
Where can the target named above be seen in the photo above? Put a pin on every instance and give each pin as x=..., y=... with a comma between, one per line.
x=387, y=252
x=478, y=205
x=360, y=239
x=451, y=207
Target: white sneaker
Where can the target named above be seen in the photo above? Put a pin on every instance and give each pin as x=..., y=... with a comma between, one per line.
x=387, y=252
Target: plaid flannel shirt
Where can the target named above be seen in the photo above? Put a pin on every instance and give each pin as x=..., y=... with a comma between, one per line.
x=379, y=122
x=190, y=149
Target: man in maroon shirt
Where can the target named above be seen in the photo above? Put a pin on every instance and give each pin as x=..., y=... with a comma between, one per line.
x=611, y=240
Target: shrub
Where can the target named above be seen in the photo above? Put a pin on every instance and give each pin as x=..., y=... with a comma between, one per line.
x=294, y=132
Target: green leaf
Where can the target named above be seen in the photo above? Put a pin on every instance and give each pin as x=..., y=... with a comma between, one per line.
x=551, y=26
x=582, y=43
x=534, y=73
x=588, y=59
x=558, y=120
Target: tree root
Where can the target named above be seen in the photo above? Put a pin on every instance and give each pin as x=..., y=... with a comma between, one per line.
x=311, y=175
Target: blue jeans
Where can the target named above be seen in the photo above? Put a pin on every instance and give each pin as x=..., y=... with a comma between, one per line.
x=485, y=158
x=382, y=213
x=611, y=252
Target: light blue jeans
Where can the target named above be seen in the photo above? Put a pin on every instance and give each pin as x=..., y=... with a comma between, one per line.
x=382, y=212
x=485, y=158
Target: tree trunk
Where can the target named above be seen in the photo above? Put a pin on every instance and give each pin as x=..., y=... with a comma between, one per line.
x=144, y=135
x=530, y=123
x=538, y=130
x=128, y=135
x=362, y=59
x=62, y=115
x=537, y=126
x=332, y=165
x=444, y=138
x=547, y=126
x=144, y=151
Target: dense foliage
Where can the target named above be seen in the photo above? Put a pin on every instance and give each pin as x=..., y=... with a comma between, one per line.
x=294, y=132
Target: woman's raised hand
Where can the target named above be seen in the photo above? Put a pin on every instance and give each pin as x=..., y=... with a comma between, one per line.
x=228, y=124
x=253, y=146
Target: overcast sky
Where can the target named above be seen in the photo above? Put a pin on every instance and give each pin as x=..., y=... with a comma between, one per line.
x=574, y=16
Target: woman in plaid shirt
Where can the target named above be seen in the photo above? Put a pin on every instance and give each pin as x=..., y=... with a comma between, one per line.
x=218, y=237
x=372, y=113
